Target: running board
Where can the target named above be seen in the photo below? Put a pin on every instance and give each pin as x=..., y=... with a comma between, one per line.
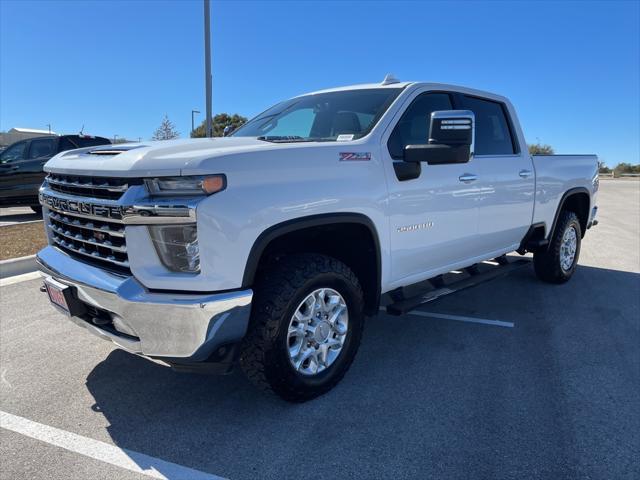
x=458, y=280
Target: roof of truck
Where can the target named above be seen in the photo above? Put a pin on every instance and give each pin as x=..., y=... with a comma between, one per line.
x=362, y=86
x=394, y=83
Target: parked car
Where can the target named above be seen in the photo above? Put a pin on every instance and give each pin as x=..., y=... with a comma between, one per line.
x=21, y=165
x=269, y=247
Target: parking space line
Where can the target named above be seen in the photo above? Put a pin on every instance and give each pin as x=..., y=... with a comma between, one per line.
x=458, y=318
x=120, y=457
x=19, y=278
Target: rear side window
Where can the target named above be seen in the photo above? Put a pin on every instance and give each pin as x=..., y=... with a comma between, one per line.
x=66, y=144
x=84, y=142
x=42, y=148
x=413, y=127
x=71, y=142
x=493, y=135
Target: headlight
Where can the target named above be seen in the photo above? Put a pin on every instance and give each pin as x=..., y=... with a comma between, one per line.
x=181, y=186
x=177, y=247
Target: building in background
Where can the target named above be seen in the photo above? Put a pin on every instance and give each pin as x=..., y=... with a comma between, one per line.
x=17, y=134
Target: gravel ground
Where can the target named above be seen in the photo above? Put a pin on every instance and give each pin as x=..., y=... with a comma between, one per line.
x=21, y=240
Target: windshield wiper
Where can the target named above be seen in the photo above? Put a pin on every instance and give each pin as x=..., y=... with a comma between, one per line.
x=282, y=138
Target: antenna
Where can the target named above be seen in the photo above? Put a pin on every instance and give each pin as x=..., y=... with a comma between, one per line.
x=390, y=79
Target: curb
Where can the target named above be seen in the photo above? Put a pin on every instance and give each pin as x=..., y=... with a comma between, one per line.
x=17, y=266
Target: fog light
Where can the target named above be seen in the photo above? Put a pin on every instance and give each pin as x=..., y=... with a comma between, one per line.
x=177, y=246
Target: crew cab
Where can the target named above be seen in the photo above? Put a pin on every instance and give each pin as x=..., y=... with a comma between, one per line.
x=269, y=247
x=21, y=164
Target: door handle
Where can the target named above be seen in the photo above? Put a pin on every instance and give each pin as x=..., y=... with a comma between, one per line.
x=468, y=178
x=525, y=173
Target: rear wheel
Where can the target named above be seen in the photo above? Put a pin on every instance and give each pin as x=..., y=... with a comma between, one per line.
x=558, y=262
x=306, y=327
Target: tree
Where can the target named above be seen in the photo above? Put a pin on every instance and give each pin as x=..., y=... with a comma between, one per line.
x=626, y=168
x=602, y=168
x=220, y=121
x=166, y=130
x=539, y=149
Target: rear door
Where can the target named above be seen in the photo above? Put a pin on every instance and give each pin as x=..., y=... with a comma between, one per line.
x=432, y=211
x=506, y=179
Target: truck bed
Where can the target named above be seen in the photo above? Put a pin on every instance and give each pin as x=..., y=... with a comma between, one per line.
x=556, y=175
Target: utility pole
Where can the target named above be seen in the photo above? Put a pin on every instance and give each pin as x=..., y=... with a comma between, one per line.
x=49, y=125
x=114, y=138
x=207, y=61
x=192, y=124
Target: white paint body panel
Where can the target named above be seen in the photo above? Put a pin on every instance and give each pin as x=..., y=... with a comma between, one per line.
x=270, y=183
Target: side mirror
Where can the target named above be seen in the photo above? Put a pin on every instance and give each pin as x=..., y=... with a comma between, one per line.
x=451, y=138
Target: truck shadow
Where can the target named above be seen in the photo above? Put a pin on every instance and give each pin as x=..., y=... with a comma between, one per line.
x=419, y=391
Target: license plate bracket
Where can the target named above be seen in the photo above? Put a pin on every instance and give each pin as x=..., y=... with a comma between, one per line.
x=63, y=298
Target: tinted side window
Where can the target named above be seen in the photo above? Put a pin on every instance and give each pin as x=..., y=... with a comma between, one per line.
x=493, y=136
x=413, y=127
x=66, y=144
x=13, y=153
x=84, y=142
x=41, y=148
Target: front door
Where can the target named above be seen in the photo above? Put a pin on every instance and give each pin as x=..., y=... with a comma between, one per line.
x=11, y=173
x=40, y=152
x=434, y=216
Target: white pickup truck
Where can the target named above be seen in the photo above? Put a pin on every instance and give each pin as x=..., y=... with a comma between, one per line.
x=269, y=247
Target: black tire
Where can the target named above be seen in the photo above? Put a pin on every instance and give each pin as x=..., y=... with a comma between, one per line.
x=36, y=209
x=547, y=263
x=278, y=293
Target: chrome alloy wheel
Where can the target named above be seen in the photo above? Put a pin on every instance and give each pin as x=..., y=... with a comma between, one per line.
x=568, y=248
x=317, y=331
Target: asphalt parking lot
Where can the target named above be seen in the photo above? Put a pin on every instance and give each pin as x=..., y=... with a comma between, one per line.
x=548, y=388
x=15, y=215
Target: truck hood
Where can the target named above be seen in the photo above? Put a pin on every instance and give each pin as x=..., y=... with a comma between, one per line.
x=162, y=158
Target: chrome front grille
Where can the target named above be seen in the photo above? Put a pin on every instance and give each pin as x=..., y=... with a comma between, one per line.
x=96, y=187
x=101, y=241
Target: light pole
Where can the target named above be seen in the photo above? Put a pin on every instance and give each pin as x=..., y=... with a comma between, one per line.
x=192, y=125
x=207, y=61
x=49, y=125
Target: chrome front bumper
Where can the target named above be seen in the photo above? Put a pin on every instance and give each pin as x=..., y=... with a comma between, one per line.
x=171, y=326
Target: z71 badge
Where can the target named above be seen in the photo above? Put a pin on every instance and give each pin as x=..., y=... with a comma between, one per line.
x=355, y=156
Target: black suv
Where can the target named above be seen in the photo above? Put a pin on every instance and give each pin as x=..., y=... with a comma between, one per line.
x=21, y=163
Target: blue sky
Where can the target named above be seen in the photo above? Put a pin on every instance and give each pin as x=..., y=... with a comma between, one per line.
x=570, y=68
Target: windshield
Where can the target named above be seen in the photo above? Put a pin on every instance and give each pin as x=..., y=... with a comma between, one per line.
x=321, y=117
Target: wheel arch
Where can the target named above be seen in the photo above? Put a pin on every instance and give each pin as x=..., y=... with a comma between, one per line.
x=288, y=236
x=577, y=200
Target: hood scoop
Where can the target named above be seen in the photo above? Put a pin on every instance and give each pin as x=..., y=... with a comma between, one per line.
x=112, y=150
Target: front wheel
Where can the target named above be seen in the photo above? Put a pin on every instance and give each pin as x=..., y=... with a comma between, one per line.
x=558, y=262
x=305, y=328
